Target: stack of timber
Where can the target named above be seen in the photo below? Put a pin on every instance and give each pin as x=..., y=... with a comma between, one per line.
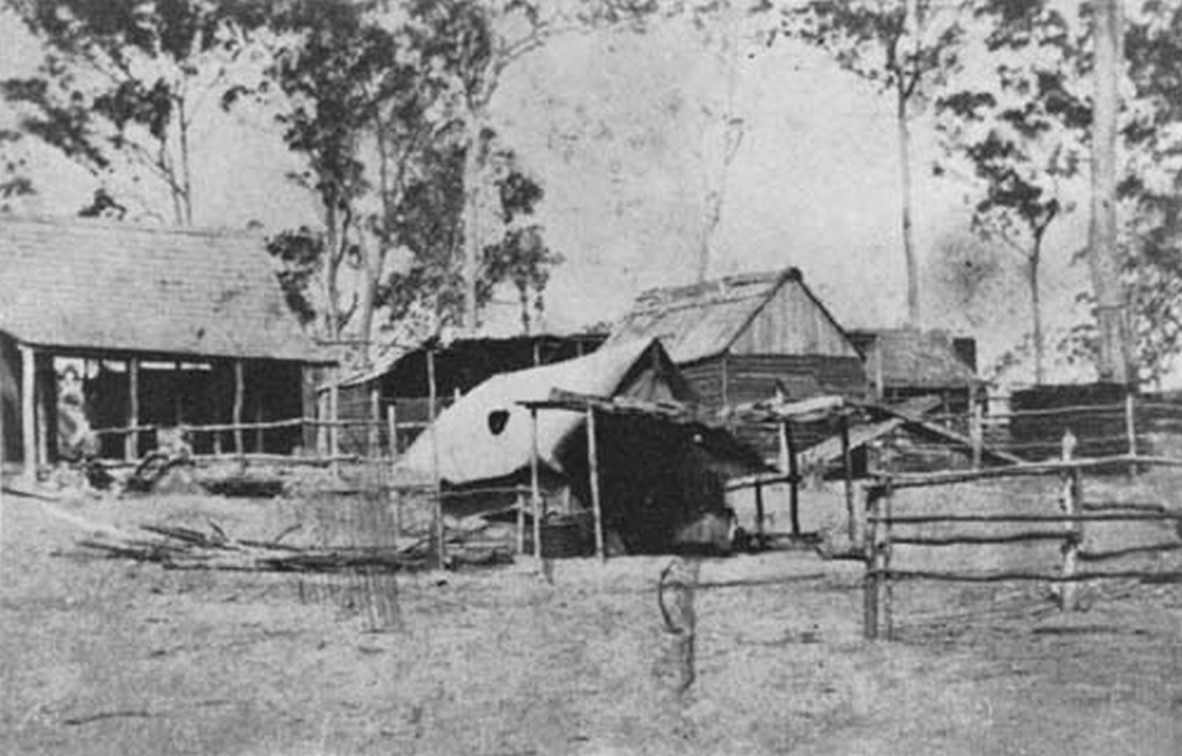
x=185, y=548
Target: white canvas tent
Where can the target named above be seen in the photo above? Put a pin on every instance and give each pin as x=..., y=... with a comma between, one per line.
x=472, y=447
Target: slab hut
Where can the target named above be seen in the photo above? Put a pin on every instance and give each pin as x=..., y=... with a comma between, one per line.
x=653, y=475
x=116, y=325
x=750, y=338
x=906, y=363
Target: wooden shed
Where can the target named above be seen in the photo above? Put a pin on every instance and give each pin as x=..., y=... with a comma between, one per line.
x=745, y=338
x=905, y=363
x=148, y=327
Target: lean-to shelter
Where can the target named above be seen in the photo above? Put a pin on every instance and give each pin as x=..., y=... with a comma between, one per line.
x=656, y=474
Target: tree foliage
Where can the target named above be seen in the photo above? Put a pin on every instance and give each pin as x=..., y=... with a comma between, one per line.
x=1022, y=129
x=370, y=99
x=120, y=84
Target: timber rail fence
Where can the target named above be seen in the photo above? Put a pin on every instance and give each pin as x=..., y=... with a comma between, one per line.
x=885, y=529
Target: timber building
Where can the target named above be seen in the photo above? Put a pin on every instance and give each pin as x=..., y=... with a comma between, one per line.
x=144, y=327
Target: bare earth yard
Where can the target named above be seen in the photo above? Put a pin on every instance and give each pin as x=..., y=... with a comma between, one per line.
x=102, y=656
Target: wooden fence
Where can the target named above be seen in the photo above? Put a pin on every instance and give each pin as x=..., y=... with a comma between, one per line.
x=1110, y=428
x=885, y=529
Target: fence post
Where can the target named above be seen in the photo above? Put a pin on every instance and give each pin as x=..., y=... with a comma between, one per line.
x=884, y=559
x=1131, y=428
x=392, y=432
x=977, y=434
x=870, y=582
x=520, y=524
x=375, y=422
x=1069, y=503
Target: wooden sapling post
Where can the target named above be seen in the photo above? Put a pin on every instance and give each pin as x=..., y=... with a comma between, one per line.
x=131, y=440
x=977, y=434
x=593, y=467
x=759, y=514
x=1131, y=429
x=46, y=390
x=870, y=582
x=884, y=559
x=535, y=489
x=334, y=428
x=520, y=524
x=392, y=431
x=788, y=466
x=375, y=422
x=437, y=484
x=239, y=392
x=29, y=412
x=1070, y=504
x=848, y=476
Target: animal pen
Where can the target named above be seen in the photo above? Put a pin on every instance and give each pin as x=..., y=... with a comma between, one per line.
x=886, y=529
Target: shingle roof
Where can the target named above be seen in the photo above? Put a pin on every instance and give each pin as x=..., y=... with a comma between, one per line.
x=468, y=449
x=702, y=320
x=916, y=359
x=121, y=287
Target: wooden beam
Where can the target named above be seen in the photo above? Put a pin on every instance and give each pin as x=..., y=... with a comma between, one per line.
x=334, y=412
x=29, y=411
x=132, y=441
x=789, y=462
x=593, y=468
x=848, y=477
x=436, y=480
x=375, y=416
x=239, y=395
x=535, y=489
x=46, y=420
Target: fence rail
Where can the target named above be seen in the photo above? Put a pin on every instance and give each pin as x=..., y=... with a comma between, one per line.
x=882, y=525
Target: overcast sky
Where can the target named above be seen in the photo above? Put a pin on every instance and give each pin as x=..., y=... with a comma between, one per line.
x=615, y=127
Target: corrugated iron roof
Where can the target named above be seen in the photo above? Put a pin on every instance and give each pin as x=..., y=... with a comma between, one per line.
x=469, y=451
x=702, y=320
x=74, y=283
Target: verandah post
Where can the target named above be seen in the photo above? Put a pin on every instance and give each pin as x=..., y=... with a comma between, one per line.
x=534, y=484
x=593, y=467
x=29, y=412
x=436, y=479
x=131, y=440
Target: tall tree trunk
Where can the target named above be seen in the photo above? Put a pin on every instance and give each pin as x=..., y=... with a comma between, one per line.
x=904, y=137
x=186, y=178
x=1036, y=312
x=1114, y=360
x=473, y=165
x=371, y=271
x=332, y=267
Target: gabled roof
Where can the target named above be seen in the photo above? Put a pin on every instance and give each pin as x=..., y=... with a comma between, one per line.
x=469, y=451
x=913, y=358
x=97, y=285
x=704, y=320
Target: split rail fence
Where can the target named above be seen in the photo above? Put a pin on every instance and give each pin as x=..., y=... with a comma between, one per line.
x=885, y=529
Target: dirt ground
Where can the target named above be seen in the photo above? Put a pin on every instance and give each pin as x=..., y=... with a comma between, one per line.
x=103, y=656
